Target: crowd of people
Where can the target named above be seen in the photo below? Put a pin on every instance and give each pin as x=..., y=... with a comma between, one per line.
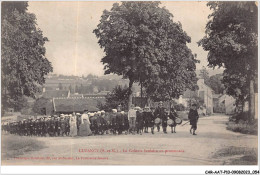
x=136, y=121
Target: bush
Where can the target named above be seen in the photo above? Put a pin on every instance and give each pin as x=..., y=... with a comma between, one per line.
x=245, y=156
x=242, y=116
x=243, y=127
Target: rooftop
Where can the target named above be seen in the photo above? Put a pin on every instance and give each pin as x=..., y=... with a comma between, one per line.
x=76, y=104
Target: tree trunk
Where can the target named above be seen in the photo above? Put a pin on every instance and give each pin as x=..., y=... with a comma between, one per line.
x=131, y=82
x=149, y=101
x=251, y=100
x=141, y=94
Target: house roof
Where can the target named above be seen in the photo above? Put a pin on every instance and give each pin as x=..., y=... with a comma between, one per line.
x=55, y=93
x=94, y=95
x=76, y=104
x=76, y=95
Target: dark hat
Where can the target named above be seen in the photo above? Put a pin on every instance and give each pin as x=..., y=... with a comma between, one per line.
x=85, y=110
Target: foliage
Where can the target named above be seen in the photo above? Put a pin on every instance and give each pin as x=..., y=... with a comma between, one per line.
x=243, y=127
x=231, y=39
x=18, y=104
x=215, y=83
x=179, y=107
x=204, y=74
x=196, y=100
x=91, y=76
x=143, y=44
x=24, y=64
x=39, y=106
x=237, y=155
x=119, y=96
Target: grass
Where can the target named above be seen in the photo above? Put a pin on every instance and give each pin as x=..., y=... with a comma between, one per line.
x=243, y=127
x=13, y=146
x=243, y=155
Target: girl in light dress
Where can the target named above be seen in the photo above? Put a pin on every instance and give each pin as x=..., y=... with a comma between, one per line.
x=73, y=125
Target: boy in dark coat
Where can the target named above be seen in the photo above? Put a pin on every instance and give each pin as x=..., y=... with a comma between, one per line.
x=147, y=118
x=173, y=116
x=193, y=117
x=164, y=121
x=139, y=121
x=159, y=113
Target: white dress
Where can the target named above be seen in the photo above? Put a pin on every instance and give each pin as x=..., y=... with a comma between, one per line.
x=84, y=129
x=73, y=126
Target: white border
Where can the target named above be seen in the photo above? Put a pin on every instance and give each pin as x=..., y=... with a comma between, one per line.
x=126, y=169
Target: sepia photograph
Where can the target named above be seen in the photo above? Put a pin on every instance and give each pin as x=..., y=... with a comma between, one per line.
x=129, y=83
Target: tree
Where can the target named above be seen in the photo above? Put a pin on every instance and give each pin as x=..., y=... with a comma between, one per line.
x=24, y=64
x=119, y=96
x=91, y=76
x=216, y=84
x=177, y=74
x=231, y=39
x=39, y=106
x=138, y=38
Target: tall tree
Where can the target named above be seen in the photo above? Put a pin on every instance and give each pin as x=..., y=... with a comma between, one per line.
x=24, y=64
x=40, y=105
x=119, y=96
x=231, y=39
x=137, y=38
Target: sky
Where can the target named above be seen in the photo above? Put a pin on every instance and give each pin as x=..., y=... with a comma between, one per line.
x=73, y=49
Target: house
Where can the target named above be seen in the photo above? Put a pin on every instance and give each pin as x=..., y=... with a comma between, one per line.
x=218, y=107
x=47, y=107
x=76, y=95
x=229, y=103
x=204, y=94
x=49, y=94
x=68, y=105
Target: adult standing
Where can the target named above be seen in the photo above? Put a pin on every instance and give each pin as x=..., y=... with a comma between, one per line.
x=159, y=113
x=103, y=122
x=78, y=121
x=113, y=119
x=119, y=120
x=193, y=117
x=132, y=118
x=164, y=118
x=84, y=128
x=125, y=122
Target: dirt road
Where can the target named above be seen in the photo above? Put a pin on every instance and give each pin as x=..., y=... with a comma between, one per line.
x=182, y=147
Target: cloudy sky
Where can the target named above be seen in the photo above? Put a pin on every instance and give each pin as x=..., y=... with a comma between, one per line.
x=73, y=47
